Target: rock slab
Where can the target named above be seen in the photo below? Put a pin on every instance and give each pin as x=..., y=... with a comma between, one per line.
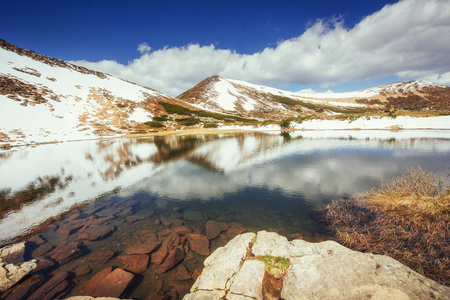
x=12, y=267
x=323, y=270
x=114, y=284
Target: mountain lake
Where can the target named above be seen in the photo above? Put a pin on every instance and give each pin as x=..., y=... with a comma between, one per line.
x=110, y=201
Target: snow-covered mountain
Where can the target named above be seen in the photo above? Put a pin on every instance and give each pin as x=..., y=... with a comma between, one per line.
x=43, y=99
x=250, y=100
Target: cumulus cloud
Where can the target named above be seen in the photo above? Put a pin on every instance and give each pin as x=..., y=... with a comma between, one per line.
x=408, y=39
x=144, y=47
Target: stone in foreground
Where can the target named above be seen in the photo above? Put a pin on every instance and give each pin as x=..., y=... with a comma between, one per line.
x=12, y=267
x=324, y=270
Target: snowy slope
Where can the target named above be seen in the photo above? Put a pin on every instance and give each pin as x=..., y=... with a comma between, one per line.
x=251, y=100
x=240, y=97
x=237, y=97
x=43, y=100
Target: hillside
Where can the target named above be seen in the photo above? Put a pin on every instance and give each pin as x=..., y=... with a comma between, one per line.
x=44, y=99
x=250, y=100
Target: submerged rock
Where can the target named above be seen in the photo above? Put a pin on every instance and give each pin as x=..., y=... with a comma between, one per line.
x=10, y=274
x=12, y=265
x=53, y=288
x=95, y=280
x=323, y=270
x=66, y=253
x=114, y=284
x=144, y=246
x=24, y=289
x=102, y=257
x=175, y=255
x=136, y=263
x=199, y=243
x=214, y=229
x=95, y=232
x=172, y=241
x=13, y=254
x=41, y=250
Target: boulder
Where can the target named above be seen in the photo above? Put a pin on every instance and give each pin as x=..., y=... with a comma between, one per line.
x=249, y=280
x=41, y=250
x=25, y=289
x=323, y=270
x=169, y=243
x=13, y=254
x=175, y=255
x=82, y=270
x=145, y=245
x=234, y=231
x=95, y=232
x=182, y=273
x=180, y=230
x=71, y=227
x=66, y=253
x=114, y=284
x=223, y=264
x=199, y=243
x=93, y=283
x=137, y=263
x=214, y=229
x=10, y=274
x=53, y=288
x=273, y=244
x=36, y=240
x=102, y=257
x=43, y=264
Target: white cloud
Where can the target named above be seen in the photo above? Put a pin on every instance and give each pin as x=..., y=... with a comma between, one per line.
x=144, y=47
x=409, y=39
x=307, y=91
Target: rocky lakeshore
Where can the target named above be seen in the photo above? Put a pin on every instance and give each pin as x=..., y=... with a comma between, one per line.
x=120, y=250
x=246, y=268
x=250, y=266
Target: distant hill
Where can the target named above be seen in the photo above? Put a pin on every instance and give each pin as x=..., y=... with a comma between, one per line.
x=250, y=100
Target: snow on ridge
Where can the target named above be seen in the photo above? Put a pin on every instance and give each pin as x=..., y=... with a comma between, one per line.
x=227, y=96
x=67, y=82
x=64, y=102
x=344, y=95
x=370, y=92
x=306, y=96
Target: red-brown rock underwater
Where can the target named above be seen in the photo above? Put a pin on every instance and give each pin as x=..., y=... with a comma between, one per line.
x=124, y=249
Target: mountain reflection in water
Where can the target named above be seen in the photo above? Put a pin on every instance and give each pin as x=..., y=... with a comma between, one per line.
x=39, y=184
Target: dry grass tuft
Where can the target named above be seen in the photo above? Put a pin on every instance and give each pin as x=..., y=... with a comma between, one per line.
x=407, y=219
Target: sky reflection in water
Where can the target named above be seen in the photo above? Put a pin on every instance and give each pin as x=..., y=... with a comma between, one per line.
x=256, y=171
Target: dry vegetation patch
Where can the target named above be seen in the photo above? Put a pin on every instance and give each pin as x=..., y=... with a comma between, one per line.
x=407, y=219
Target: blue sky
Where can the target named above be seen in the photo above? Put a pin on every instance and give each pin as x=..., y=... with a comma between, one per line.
x=286, y=44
